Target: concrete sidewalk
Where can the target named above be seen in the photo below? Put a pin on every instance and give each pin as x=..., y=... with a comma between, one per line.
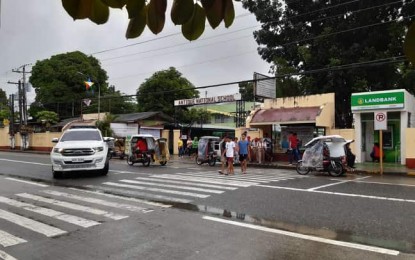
x=360, y=168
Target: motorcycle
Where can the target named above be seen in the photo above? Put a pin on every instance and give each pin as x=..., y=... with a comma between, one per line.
x=326, y=154
x=207, y=150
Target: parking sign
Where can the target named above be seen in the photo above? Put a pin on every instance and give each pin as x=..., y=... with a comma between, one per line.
x=381, y=120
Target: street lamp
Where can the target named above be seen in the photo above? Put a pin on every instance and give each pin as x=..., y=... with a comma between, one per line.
x=99, y=93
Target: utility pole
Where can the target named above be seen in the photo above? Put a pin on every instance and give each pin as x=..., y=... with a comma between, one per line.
x=22, y=89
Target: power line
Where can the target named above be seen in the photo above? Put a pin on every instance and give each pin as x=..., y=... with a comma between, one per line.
x=219, y=35
x=378, y=62
x=151, y=40
x=348, y=30
x=172, y=52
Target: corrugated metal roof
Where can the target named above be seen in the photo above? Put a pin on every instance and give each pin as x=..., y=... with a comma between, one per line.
x=286, y=115
x=134, y=117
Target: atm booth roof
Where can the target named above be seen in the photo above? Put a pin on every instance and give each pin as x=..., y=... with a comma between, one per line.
x=292, y=115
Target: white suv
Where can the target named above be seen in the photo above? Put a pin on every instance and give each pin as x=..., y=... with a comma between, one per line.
x=80, y=149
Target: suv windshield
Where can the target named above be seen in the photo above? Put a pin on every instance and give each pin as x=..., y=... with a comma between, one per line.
x=81, y=136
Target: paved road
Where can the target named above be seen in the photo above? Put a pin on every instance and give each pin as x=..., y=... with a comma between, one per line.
x=226, y=217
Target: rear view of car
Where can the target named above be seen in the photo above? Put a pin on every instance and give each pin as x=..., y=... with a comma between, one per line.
x=80, y=149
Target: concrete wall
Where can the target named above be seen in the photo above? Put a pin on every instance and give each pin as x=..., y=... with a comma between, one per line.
x=300, y=101
x=42, y=141
x=410, y=143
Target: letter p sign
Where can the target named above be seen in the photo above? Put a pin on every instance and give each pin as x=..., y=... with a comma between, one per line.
x=381, y=120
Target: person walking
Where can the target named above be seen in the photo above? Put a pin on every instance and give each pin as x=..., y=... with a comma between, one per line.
x=236, y=158
x=189, y=146
x=223, y=155
x=195, y=145
x=180, y=147
x=243, y=145
x=261, y=150
x=294, y=147
x=230, y=153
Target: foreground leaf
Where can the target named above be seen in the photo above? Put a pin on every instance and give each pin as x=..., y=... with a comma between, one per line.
x=181, y=11
x=134, y=7
x=409, y=45
x=214, y=11
x=156, y=15
x=196, y=25
x=99, y=13
x=229, y=13
x=115, y=3
x=78, y=9
x=137, y=24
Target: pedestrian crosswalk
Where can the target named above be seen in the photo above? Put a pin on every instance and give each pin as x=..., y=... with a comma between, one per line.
x=51, y=213
x=190, y=185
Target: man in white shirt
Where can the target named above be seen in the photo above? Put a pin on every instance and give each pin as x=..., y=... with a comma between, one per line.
x=230, y=152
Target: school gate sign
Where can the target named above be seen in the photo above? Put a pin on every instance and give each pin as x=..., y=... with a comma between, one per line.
x=374, y=101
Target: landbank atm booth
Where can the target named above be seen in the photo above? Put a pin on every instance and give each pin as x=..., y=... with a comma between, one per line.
x=398, y=106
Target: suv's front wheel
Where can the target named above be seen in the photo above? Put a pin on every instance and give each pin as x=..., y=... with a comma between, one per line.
x=56, y=174
x=106, y=169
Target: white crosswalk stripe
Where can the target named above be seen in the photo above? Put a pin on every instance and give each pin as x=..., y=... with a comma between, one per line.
x=97, y=201
x=50, y=213
x=188, y=183
x=121, y=197
x=31, y=224
x=7, y=239
x=72, y=206
x=134, y=193
x=191, y=194
x=5, y=256
x=173, y=186
x=205, y=180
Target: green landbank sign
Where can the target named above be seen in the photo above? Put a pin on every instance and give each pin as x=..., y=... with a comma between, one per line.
x=378, y=100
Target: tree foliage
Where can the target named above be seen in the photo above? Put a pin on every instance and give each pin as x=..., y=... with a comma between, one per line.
x=113, y=102
x=105, y=125
x=247, y=91
x=47, y=117
x=311, y=38
x=59, y=82
x=193, y=116
x=190, y=14
x=159, y=91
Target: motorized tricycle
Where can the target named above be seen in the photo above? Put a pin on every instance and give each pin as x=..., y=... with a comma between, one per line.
x=208, y=150
x=161, y=151
x=326, y=154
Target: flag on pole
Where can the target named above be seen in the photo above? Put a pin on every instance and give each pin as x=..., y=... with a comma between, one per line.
x=87, y=102
x=88, y=84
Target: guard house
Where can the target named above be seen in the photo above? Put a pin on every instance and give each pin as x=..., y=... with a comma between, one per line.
x=399, y=108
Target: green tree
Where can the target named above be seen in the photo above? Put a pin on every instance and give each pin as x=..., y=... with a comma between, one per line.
x=299, y=38
x=59, y=82
x=105, y=125
x=195, y=115
x=247, y=91
x=187, y=13
x=113, y=102
x=47, y=118
x=159, y=91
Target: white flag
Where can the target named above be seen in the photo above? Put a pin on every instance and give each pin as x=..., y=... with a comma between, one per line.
x=87, y=102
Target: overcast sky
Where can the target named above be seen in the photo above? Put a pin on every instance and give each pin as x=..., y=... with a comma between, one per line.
x=33, y=30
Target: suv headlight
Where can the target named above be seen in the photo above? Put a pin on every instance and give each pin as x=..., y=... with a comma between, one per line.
x=57, y=150
x=98, y=149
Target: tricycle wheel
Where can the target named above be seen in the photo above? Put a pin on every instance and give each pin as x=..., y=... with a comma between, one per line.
x=336, y=169
x=198, y=161
x=302, y=170
x=129, y=161
x=146, y=161
x=212, y=161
